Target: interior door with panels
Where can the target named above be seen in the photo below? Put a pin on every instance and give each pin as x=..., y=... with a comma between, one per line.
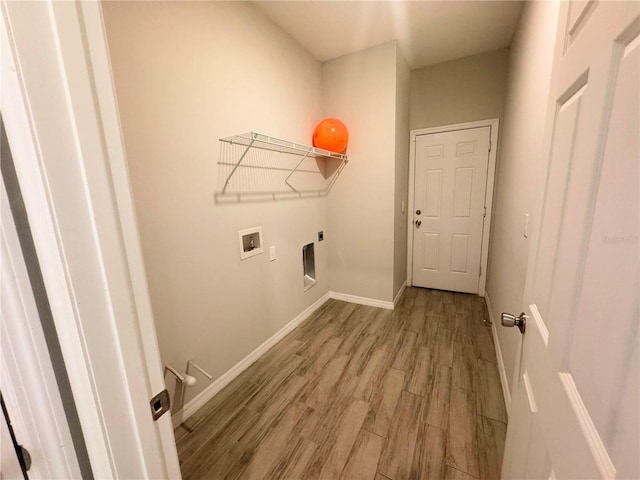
x=450, y=186
x=575, y=409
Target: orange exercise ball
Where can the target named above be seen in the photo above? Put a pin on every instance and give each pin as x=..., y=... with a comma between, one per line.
x=331, y=134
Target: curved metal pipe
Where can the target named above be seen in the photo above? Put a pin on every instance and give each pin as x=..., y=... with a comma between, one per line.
x=177, y=374
x=193, y=364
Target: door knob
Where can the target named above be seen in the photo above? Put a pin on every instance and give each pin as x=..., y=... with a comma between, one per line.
x=520, y=321
x=418, y=212
x=418, y=223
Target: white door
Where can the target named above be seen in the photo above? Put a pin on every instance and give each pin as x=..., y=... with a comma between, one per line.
x=9, y=464
x=27, y=379
x=61, y=119
x=449, y=208
x=575, y=409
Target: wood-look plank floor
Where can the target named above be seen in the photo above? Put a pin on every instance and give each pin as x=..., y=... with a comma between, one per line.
x=357, y=392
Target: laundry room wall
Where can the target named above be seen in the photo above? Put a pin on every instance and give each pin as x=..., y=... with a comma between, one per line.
x=464, y=90
x=403, y=83
x=360, y=89
x=187, y=74
x=520, y=170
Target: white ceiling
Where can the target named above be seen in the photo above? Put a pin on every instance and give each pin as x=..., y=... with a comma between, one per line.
x=428, y=32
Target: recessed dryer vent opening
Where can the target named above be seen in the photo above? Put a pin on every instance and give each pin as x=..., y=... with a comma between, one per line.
x=309, y=266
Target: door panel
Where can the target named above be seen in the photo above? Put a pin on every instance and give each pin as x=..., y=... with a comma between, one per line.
x=610, y=285
x=559, y=166
x=433, y=193
x=459, y=253
x=431, y=243
x=450, y=187
x=462, y=195
x=580, y=351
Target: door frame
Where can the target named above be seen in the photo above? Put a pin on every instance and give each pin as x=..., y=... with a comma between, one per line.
x=493, y=124
x=92, y=263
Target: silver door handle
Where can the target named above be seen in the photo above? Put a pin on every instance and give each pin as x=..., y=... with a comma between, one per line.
x=418, y=223
x=509, y=320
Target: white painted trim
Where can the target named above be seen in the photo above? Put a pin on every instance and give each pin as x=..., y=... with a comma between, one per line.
x=212, y=390
x=493, y=124
x=542, y=327
x=98, y=51
x=208, y=393
x=27, y=377
x=591, y=435
x=500, y=360
x=455, y=126
x=399, y=295
x=371, y=302
x=411, y=207
x=488, y=201
x=20, y=130
x=526, y=381
x=84, y=231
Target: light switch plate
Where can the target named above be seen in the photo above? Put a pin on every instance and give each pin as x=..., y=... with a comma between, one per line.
x=525, y=228
x=272, y=253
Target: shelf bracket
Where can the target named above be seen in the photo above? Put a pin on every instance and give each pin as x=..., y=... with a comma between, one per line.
x=244, y=154
x=335, y=176
x=286, y=180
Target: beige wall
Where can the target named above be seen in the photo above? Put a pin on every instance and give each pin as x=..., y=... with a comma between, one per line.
x=187, y=74
x=520, y=169
x=360, y=89
x=464, y=90
x=403, y=77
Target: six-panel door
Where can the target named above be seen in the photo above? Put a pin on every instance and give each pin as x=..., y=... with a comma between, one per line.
x=450, y=186
x=575, y=407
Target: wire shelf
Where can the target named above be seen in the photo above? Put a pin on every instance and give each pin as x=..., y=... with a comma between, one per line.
x=257, y=166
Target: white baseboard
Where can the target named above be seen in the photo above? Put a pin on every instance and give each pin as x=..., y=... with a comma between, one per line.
x=371, y=302
x=218, y=384
x=503, y=373
x=399, y=295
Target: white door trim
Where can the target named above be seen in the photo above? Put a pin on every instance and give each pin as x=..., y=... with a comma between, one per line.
x=493, y=123
x=27, y=375
x=25, y=151
x=84, y=229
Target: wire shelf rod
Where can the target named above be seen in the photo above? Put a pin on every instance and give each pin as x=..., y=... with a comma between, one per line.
x=286, y=180
x=244, y=154
x=261, y=167
x=266, y=142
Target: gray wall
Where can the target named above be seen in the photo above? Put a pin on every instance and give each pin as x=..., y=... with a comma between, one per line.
x=360, y=89
x=403, y=79
x=463, y=90
x=187, y=74
x=521, y=168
